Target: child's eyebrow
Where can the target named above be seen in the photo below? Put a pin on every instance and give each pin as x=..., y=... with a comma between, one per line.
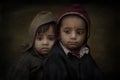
x=77, y=29
x=39, y=34
x=51, y=35
x=81, y=29
x=67, y=28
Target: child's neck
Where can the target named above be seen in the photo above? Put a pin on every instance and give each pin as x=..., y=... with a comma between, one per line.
x=75, y=51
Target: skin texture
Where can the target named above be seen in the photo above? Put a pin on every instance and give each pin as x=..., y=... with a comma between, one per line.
x=73, y=32
x=45, y=41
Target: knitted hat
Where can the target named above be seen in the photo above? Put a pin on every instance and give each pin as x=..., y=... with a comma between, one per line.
x=41, y=18
x=78, y=10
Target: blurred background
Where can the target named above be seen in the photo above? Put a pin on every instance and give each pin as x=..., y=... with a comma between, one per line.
x=104, y=41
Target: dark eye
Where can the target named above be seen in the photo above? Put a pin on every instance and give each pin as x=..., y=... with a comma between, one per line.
x=79, y=32
x=39, y=37
x=67, y=31
x=51, y=38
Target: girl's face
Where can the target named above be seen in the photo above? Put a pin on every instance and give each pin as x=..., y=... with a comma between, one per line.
x=45, y=41
x=73, y=32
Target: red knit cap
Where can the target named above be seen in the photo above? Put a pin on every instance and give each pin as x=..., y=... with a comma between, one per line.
x=78, y=10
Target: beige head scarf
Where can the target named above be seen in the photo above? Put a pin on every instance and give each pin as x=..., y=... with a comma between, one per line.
x=40, y=19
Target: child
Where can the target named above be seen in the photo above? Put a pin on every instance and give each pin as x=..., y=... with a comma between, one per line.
x=70, y=58
x=41, y=40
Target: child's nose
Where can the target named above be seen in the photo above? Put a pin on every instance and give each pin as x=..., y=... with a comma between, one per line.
x=45, y=42
x=73, y=35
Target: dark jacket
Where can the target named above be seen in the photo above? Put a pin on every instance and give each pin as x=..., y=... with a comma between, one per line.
x=27, y=68
x=29, y=65
x=60, y=66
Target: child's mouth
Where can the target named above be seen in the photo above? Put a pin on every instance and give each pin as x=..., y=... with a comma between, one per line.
x=72, y=43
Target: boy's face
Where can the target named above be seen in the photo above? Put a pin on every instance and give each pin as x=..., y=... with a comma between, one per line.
x=45, y=41
x=73, y=32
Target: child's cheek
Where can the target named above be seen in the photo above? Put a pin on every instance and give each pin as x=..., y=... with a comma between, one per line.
x=38, y=44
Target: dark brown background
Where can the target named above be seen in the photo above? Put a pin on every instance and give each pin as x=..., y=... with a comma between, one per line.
x=15, y=17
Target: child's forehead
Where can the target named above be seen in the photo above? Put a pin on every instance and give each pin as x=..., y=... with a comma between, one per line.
x=73, y=20
x=68, y=17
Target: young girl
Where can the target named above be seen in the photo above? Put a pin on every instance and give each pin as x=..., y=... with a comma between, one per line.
x=70, y=58
x=42, y=36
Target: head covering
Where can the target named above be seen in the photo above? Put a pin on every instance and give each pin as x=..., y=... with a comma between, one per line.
x=41, y=18
x=76, y=9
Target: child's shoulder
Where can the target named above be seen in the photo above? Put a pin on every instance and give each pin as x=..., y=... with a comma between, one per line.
x=24, y=58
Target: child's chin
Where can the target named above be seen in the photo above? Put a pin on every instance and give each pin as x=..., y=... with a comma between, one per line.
x=72, y=47
x=45, y=52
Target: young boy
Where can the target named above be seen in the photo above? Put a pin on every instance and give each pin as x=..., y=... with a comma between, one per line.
x=42, y=36
x=70, y=58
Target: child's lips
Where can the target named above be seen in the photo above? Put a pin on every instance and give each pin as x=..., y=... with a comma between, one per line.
x=45, y=49
x=72, y=43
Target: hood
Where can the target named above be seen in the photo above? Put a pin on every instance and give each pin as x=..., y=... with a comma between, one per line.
x=78, y=10
x=40, y=19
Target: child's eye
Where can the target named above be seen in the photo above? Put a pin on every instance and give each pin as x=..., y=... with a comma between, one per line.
x=67, y=31
x=79, y=32
x=51, y=38
x=39, y=37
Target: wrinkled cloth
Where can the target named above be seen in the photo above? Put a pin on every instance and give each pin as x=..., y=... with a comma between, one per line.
x=59, y=66
x=29, y=67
